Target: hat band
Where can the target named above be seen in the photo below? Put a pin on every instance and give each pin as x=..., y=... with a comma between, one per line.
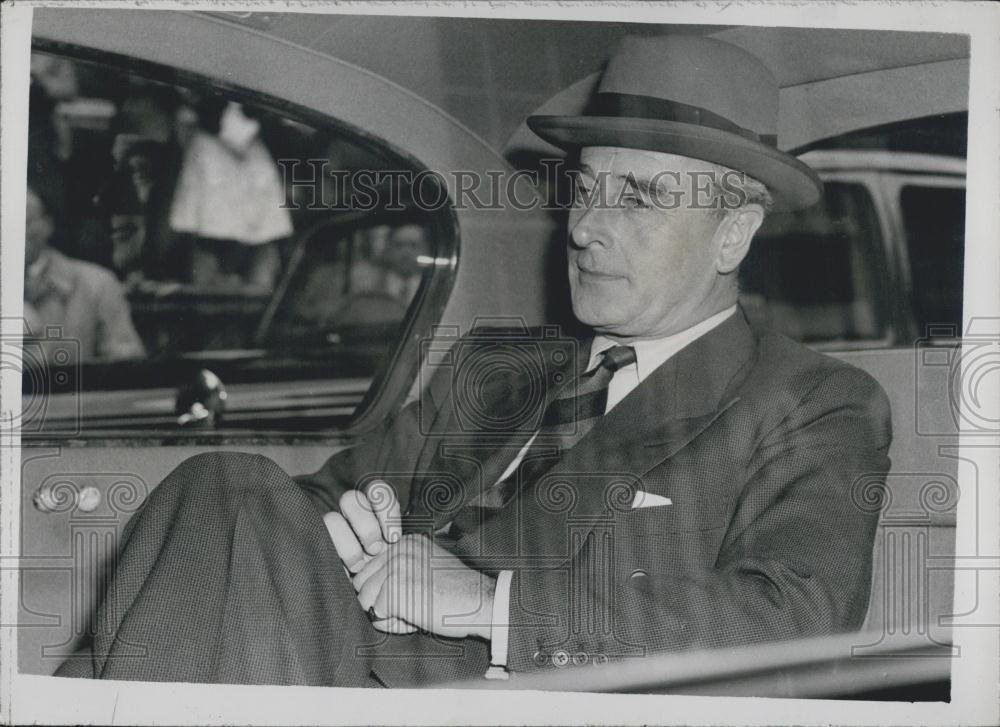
x=607, y=103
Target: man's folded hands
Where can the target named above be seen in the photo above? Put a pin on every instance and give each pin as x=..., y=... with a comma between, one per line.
x=407, y=582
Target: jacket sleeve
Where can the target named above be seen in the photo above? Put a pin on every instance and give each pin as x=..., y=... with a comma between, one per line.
x=390, y=452
x=795, y=560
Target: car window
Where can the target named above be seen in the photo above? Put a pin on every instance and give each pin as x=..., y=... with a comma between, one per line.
x=811, y=274
x=934, y=225
x=183, y=264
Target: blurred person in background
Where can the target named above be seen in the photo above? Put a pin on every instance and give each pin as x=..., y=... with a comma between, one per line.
x=230, y=200
x=135, y=203
x=83, y=299
x=125, y=212
x=70, y=166
x=396, y=269
x=383, y=287
x=143, y=249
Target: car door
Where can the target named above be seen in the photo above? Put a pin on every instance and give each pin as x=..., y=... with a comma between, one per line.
x=295, y=371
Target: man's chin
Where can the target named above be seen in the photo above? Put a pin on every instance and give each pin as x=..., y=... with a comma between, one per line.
x=599, y=320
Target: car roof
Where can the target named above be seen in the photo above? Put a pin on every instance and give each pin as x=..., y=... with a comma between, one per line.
x=796, y=56
x=873, y=160
x=832, y=80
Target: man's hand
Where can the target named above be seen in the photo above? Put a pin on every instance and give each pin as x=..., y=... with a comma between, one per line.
x=421, y=583
x=367, y=523
x=409, y=582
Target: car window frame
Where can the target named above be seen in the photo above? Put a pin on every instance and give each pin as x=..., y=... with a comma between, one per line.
x=892, y=187
x=883, y=265
x=886, y=173
x=887, y=264
x=390, y=386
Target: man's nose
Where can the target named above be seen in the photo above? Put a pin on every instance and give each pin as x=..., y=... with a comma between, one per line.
x=588, y=227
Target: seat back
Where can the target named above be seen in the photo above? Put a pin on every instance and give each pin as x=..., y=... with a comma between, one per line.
x=913, y=575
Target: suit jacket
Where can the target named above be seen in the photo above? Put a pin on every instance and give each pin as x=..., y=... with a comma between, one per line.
x=766, y=450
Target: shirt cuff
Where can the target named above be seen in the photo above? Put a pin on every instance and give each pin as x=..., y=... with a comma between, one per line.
x=500, y=626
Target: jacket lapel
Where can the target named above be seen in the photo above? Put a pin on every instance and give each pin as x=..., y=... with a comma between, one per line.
x=667, y=411
x=463, y=460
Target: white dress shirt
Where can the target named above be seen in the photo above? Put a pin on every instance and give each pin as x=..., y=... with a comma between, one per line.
x=649, y=355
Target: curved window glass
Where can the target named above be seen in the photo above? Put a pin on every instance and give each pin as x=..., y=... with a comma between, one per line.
x=200, y=257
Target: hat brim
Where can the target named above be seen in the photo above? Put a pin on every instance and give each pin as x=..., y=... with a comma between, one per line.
x=792, y=184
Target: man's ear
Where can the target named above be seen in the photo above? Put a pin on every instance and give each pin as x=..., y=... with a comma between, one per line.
x=734, y=235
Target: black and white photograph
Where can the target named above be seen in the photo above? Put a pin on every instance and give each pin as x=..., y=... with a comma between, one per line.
x=568, y=363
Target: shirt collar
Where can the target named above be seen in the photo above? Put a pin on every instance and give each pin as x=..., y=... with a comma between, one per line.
x=650, y=354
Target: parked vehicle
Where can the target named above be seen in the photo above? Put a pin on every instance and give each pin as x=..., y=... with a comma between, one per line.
x=876, y=264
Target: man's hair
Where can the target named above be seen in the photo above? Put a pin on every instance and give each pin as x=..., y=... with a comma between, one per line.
x=729, y=186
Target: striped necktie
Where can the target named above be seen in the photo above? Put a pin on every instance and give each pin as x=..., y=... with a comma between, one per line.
x=567, y=419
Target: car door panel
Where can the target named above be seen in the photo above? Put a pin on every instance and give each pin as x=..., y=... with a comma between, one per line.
x=74, y=507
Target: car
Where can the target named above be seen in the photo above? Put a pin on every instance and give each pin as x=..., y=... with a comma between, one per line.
x=876, y=264
x=258, y=374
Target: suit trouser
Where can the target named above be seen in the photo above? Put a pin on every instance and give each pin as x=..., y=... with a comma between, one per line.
x=228, y=574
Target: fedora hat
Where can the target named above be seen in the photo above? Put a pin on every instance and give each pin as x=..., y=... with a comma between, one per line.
x=696, y=97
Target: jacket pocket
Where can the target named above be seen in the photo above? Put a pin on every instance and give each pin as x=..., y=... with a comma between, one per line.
x=679, y=517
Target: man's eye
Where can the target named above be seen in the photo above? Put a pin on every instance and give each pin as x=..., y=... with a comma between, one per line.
x=581, y=194
x=631, y=201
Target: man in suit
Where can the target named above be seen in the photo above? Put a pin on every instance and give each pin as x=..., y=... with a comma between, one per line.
x=82, y=298
x=685, y=481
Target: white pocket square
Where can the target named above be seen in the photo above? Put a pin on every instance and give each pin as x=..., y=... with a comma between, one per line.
x=648, y=499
